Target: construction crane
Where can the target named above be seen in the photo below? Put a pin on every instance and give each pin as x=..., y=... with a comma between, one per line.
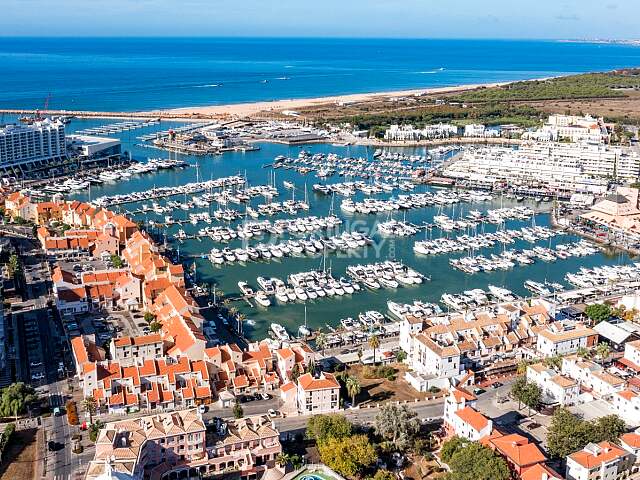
x=39, y=115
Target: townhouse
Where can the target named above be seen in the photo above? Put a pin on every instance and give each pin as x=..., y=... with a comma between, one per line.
x=592, y=377
x=318, y=395
x=242, y=372
x=604, y=461
x=295, y=356
x=555, y=388
x=128, y=351
x=152, y=384
x=565, y=337
x=487, y=341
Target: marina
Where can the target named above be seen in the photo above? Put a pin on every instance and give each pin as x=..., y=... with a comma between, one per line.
x=238, y=181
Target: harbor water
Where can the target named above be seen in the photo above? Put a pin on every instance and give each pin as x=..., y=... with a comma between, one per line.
x=327, y=311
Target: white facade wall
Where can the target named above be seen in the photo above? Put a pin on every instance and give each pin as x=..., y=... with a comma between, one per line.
x=41, y=141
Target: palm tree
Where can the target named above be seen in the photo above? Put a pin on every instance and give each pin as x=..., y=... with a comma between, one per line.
x=374, y=343
x=583, y=352
x=283, y=459
x=321, y=341
x=603, y=351
x=90, y=406
x=240, y=317
x=233, y=311
x=353, y=388
x=522, y=367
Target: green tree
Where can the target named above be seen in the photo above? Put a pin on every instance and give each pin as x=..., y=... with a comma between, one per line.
x=522, y=366
x=295, y=373
x=553, y=362
x=116, y=261
x=13, y=267
x=374, y=343
x=401, y=356
x=451, y=446
x=609, y=427
x=583, y=352
x=598, y=312
x=397, y=424
x=15, y=398
x=603, y=351
x=238, y=412
x=517, y=388
x=348, y=456
x=568, y=433
x=90, y=406
x=322, y=427
x=94, y=430
x=321, y=341
x=353, y=388
x=528, y=393
x=384, y=475
x=149, y=317
x=477, y=462
x=155, y=326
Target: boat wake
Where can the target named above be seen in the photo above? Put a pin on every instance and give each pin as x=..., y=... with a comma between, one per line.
x=210, y=85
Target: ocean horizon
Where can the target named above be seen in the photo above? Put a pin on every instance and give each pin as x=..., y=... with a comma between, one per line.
x=145, y=73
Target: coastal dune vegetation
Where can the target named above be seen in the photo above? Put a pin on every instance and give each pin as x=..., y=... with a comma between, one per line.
x=614, y=95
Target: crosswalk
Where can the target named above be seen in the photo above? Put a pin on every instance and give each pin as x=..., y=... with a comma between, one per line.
x=55, y=400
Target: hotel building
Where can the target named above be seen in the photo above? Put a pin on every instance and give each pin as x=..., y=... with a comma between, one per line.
x=29, y=147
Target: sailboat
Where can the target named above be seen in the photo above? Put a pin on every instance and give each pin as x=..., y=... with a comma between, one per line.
x=303, y=330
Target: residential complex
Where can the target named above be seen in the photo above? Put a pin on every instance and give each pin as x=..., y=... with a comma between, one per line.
x=557, y=167
x=163, y=445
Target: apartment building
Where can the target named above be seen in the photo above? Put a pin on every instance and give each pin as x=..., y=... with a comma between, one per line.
x=26, y=147
x=128, y=351
x=461, y=418
x=556, y=166
x=407, y=133
x=565, y=337
x=604, y=461
x=555, y=388
x=240, y=371
x=169, y=442
x=318, y=395
x=248, y=446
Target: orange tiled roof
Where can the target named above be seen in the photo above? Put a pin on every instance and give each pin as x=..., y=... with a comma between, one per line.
x=473, y=418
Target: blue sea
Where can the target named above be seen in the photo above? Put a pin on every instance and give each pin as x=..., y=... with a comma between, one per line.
x=131, y=74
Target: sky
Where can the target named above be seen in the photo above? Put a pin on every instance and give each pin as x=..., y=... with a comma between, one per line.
x=535, y=19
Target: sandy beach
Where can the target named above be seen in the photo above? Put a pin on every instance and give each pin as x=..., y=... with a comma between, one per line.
x=248, y=109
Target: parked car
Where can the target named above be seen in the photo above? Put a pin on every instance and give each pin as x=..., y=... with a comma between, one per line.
x=272, y=413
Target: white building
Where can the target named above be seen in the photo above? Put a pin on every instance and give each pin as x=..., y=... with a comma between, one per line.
x=631, y=443
x=626, y=404
x=24, y=147
x=604, y=461
x=462, y=419
x=479, y=131
x=318, y=395
x=563, y=338
x=561, y=167
x=592, y=377
x=555, y=388
x=407, y=133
